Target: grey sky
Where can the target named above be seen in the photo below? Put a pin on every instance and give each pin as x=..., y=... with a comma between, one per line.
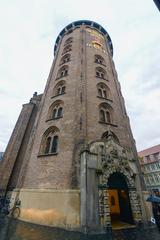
x=29, y=30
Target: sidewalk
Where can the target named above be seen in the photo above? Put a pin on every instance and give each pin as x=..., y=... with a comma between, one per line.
x=11, y=229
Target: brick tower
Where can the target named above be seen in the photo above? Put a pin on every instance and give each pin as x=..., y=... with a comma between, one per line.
x=71, y=159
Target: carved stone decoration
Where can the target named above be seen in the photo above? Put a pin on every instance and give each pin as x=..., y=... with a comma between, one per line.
x=112, y=158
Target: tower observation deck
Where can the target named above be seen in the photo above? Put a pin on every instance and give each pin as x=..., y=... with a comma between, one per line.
x=70, y=27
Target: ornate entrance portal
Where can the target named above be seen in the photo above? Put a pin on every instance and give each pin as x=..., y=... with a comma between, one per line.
x=109, y=194
x=119, y=202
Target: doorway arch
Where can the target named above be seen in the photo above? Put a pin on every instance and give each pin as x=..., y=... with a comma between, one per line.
x=119, y=201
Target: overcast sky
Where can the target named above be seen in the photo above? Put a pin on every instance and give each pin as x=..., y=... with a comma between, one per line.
x=28, y=33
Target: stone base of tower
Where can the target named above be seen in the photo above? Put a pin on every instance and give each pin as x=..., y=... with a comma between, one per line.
x=58, y=208
x=65, y=209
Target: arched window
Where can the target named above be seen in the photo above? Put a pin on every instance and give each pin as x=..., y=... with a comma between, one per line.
x=63, y=71
x=69, y=40
x=105, y=113
x=101, y=73
x=49, y=143
x=55, y=110
x=66, y=58
x=99, y=60
x=103, y=91
x=60, y=88
x=110, y=134
x=66, y=49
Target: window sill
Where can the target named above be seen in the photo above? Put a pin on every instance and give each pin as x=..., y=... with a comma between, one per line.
x=105, y=99
x=53, y=118
x=47, y=154
x=58, y=95
x=62, y=77
x=106, y=123
x=102, y=78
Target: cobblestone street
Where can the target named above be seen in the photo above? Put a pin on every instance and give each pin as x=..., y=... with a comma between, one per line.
x=11, y=229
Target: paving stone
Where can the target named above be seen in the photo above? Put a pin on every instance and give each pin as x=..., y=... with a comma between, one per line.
x=11, y=229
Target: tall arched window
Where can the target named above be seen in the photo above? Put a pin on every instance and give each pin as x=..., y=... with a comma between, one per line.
x=69, y=40
x=99, y=59
x=67, y=48
x=105, y=113
x=66, y=58
x=60, y=88
x=103, y=91
x=55, y=110
x=101, y=73
x=63, y=71
x=49, y=143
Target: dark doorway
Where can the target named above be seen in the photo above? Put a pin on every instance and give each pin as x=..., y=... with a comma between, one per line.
x=120, y=207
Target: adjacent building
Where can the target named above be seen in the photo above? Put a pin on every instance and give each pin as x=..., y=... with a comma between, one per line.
x=150, y=165
x=1, y=155
x=71, y=159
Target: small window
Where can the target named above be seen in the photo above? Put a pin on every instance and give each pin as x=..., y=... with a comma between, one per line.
x=101, y=73
x=69, y=40
x=105, y=113
x=99, y=60
x=50, y=141
x=60, y=88
x=66, y=58
x=66, y=49
x=55, y=110
x=103, y=91
x=62, y=72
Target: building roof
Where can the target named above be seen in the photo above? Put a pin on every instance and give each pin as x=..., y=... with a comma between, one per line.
x=149, y=151
x=87, y=23
x=157, y=2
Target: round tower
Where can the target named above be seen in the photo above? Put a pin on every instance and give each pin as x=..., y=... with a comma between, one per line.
x=80, y=164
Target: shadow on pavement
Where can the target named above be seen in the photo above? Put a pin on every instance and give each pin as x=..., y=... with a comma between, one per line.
x=12, y=229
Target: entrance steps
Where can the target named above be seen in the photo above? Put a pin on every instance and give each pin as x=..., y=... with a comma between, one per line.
x=150, y=233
